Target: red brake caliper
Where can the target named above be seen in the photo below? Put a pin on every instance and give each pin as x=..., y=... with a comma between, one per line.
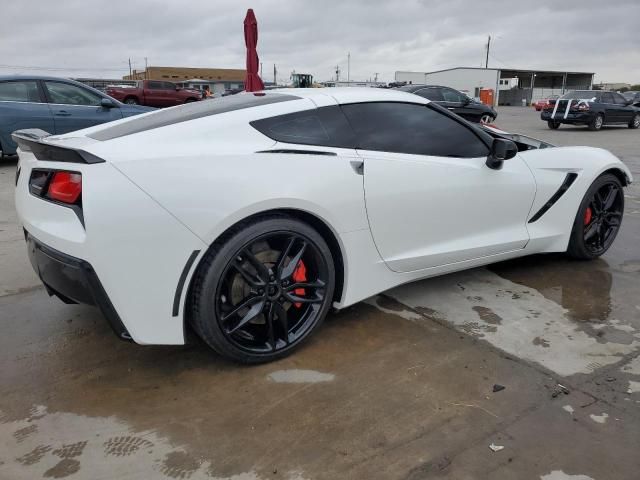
x=588, y=215
x=299, y=275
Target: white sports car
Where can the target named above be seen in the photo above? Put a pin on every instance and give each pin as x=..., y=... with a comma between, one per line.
x=248, y=217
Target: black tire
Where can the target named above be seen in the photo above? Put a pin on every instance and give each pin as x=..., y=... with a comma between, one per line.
x=190, y=100
x=131, y=101
x=553, y=125
x=635, y=121
x=581, y=248
x=596, y=123
x=229, y=278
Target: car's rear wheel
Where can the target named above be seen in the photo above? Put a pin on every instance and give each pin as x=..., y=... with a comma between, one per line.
x=553, y=125
x=597, y=122
x=635, y=121
x=131, y=101
x=598, y=220
x=261, y=291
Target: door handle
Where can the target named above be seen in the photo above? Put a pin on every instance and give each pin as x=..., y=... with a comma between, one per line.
x=62, y=113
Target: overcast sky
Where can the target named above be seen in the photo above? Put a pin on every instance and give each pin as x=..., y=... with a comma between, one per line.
x=96, y=38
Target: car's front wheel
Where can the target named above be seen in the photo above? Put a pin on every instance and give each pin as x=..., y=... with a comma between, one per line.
x=598, y=220
x=263, y=289
x=553, y=124
x=635, y=121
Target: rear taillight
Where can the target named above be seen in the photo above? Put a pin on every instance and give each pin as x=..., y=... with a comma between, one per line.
x=57, y=185
x=65, y=187
x=582, y=107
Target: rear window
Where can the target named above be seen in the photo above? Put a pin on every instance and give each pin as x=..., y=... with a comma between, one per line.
x=581, y=95
x=190, y=111
x=24, y=91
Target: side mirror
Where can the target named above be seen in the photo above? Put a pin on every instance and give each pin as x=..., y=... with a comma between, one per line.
x=466, y=101
x=501, y=150
x=107, y=103
x=177, y=88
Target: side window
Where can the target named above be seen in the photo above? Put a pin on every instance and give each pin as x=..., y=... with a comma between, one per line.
x=433, y=94
x=413, y=129
x=168, y=86
x=451, y=95
x=154, y=85
x=607, y=97
x=325, y=126
x=67, y=94
x=619, y=99
x=25, y=91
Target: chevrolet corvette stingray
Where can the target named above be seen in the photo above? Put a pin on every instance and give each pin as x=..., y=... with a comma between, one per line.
x=248, y=217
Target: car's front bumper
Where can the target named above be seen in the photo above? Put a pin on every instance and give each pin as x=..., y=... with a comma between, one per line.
x=72, y=280
x=572, y=117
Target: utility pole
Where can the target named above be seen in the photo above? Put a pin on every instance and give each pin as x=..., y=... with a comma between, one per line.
x=274, y=74
x=146, y=68
x=337, y=73
x=486, y=63
x=375, y=79
x=348, y=66
x=130, y=72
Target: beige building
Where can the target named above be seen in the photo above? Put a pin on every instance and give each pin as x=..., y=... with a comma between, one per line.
x=218, y=79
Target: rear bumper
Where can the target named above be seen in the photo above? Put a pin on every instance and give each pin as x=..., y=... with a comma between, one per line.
x=73, y=281
x=572, y=117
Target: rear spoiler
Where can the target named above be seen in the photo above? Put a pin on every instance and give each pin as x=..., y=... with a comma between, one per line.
x=31, y=140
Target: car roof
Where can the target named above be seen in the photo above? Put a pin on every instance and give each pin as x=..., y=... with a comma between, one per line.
x=344, y=95
x=34, y=77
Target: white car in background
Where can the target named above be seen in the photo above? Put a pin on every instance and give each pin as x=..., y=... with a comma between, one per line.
x=249, y=217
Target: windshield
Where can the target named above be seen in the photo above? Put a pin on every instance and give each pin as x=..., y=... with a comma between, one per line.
x=580, y=95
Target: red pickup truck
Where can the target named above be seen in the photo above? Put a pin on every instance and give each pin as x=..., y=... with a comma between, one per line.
x=154, y=93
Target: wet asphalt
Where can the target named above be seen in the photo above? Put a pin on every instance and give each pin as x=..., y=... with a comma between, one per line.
x=398, y=387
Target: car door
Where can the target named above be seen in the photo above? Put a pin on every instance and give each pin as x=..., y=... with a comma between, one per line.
x=172, y=96
x=22, y=105
x=430, y=198
x=154, y=94
x=458, y=104
x=611, y=112
x=625, y=112
x=75, y=107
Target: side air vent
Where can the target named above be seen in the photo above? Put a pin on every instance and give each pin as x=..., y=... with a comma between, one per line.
x=568, y=180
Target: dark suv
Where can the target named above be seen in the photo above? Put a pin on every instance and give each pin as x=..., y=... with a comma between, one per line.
x=593, y=108
x=456, y=101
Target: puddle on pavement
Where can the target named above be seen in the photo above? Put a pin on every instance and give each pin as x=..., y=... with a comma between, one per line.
x=583, y=288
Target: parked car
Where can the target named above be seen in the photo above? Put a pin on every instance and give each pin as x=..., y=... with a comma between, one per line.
x=633, y=96
x=236, y=234
x=593, y=108
x=456, y=101
x=544, y=102
x=55, y=105
x=154, y=93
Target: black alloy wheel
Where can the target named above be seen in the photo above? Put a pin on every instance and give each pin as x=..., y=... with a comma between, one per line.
x=553, y=124
x=635, y=121
x=599, y=218
x=264, y=291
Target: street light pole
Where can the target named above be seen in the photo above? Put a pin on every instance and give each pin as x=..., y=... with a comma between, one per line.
x=348, y=66
x=486, y=63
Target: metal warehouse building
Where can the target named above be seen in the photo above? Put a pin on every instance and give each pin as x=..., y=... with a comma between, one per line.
x=511, y=86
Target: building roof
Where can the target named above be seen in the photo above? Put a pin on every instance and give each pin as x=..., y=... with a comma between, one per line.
x=516, y=70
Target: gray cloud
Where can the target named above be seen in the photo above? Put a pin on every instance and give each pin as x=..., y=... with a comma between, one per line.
x=88, y=37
